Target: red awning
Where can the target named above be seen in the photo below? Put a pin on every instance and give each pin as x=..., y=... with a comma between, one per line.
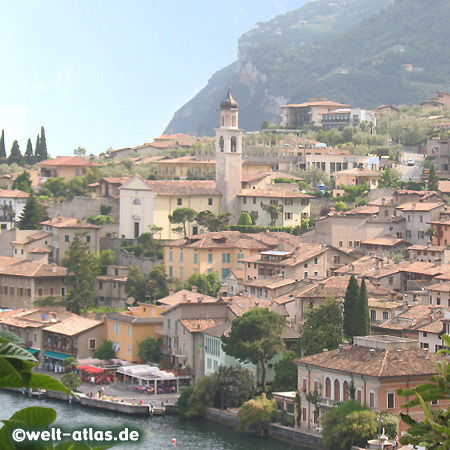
x=90, y=369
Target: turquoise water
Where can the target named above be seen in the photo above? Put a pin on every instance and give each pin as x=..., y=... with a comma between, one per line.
x=159, y=431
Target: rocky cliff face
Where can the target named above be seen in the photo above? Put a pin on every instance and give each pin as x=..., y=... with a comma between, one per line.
x=346, y=50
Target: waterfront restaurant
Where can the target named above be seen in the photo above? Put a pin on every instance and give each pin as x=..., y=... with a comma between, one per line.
x=152, y=379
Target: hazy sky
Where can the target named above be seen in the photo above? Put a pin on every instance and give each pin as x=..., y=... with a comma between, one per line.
x=100, y=74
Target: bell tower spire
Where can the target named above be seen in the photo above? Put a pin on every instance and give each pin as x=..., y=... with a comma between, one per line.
x=229, y=156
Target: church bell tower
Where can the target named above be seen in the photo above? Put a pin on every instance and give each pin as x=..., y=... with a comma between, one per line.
x=229, y=157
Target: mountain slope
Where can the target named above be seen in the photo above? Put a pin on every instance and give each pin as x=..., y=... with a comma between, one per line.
x=300, y=55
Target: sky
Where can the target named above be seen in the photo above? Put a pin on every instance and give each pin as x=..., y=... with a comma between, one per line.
x=110, y=74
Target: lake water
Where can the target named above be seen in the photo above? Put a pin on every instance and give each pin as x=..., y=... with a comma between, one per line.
x=159, y=431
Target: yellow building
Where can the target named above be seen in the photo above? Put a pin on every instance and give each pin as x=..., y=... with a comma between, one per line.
x=127, y=328
x=203, y=253
x=185, y=167
x=67, y=167
x=145, y=203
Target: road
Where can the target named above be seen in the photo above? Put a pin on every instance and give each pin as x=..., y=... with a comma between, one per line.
x=411, y=173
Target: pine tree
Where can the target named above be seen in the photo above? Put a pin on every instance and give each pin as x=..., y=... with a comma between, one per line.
x=350, y=300
x=29, y=159
x=361, y=318
x=2, y=145
x=433, y=180
x=15, y=156
x=41, y=153
x=36, y=149
x=32, y=215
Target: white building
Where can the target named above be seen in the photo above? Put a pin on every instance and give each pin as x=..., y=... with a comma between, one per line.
x=12, y=203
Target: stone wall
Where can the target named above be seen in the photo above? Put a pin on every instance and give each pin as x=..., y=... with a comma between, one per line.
x=297, y=437
x=82, y=207
x=222, y=416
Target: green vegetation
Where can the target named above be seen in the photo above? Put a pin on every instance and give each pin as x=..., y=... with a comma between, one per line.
x=100, y=220
x=322, y=328
x=212, y=222
x=23, y=182
x=16, y=157
x=286, y=377
x=433, y=180
x=136, y=284
x=350, y=301
x=256, y=414
x=256, y=337
x=105, y=351
x=245, y=220
x=361, y=317
x=150, y=349
x=182, y=216
x=206, y=284
x=226, y=387
x=347, y=425
x=432, y=433
x=71, y=380
x=32, y=215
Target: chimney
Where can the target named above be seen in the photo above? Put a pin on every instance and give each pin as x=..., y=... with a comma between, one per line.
x=171, y=291
x=399, y=355
x=200, y=299
x=372, y=353
x=325, y=350
x=341, y=349
x=383, y=201
x=194, y=289
x=346, y=344
x=425, y=353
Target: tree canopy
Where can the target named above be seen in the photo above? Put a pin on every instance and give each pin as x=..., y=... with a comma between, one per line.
x=350, y=300
x=206, y=284
x=150, y=349
x=322, y=328
x=33, y=213
x=256, y=337
x=105, y=351
x=181, y=216
x=245, y=220
x=23, y=182
x=136, y=284
x=16, y=156
x=212, y=222
x=433, y=180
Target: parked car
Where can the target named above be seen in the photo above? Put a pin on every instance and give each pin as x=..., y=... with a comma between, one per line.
x=410, y=162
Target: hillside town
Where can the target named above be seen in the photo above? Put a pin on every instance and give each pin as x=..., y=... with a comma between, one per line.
x=143, y=265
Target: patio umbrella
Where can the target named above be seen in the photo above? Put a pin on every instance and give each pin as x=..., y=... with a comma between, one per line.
x=90, y=369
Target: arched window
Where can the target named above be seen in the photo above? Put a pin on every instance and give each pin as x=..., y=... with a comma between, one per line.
x=221, y=143
x=328, y=388
x=346, y=393
x=233, y=144
x=136, y=201
x=337, y=391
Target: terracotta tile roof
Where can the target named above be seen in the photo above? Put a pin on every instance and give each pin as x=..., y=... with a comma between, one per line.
x=66, y=222
x=289, y=333
x=436, y=327
x=420, y=206
x=34, y=317
x=219, y=239
x=273, y=193
x=362, y=265
x=27, y=268
x=440, y=287
x=198, y=325
x=413, y=318
x=67, y=161
x=219, y=330
x=337, y=286
x=379, y=201
x=74, y=325
x=444, y=186
x=150, y=160
x=301, y=253
x=383, y=363
x=184, y=296
x=172, y=137
x=116, y=180
x=428, y=248
x=370, y=210
x=184, y=187
x=241, y=304
x=39, y=235
x=383, y=241
x=247, y=178
x=238, y=273
x=271, y=283
x=7, y=193
x=378, y=303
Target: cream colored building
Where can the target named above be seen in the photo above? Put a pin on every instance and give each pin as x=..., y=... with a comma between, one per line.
x=146, y=203
x=64, y=230
x=203, y=253
x=67, y=167
x=356, y=177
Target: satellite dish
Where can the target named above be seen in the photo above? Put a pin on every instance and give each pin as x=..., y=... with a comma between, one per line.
x=130, y=300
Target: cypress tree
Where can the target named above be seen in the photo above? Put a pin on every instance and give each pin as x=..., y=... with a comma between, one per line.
x=43, y=155
x=2, y=145
x=15, y=156
x=361, y=318
x=433, y=180
x=34, y=212
x=36, y=149
x=350, y=300
x=29, y=153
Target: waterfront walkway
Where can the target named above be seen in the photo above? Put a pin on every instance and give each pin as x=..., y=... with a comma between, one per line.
x=120, y=392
